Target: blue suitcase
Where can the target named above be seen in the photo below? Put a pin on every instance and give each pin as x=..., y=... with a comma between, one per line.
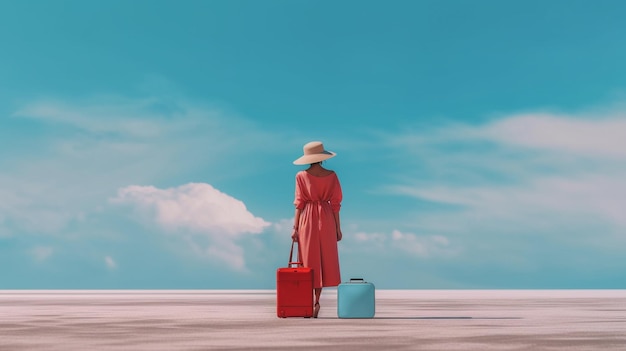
x=356, y=299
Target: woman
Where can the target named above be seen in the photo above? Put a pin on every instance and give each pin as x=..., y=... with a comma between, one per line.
x=316, y=222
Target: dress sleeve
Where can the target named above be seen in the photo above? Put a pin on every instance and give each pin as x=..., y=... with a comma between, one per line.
x=336, y=196
x=298, y=201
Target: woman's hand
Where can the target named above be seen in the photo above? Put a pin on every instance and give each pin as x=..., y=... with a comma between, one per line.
x=294, y=235
x=339, y=234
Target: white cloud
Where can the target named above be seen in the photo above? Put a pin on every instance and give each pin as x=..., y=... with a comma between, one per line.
x=92, y=147
x=602, y=197
x=200, y=209
x=194, y=206
x=556, y=176
x=230, y=253
x=370, y=237
x=576, y=135
x=597, y=137
x=420, y=246
x=110, y=262
x=58, y=183
x=283, y=226
x=42, y=253
x=4, y=232
x=103, y=115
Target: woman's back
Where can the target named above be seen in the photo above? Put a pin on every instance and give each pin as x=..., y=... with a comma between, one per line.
x=318, y=188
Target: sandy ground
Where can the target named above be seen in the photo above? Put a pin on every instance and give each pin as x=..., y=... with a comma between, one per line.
x=246, y=320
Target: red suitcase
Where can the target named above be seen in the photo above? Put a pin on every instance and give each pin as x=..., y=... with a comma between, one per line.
x=294, y=289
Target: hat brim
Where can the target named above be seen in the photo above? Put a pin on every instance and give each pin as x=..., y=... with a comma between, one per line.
x=308, y=159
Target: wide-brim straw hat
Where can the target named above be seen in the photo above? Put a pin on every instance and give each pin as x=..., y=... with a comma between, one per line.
x=313, y=152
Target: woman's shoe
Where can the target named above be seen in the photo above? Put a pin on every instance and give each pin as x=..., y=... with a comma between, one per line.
x=316, y=310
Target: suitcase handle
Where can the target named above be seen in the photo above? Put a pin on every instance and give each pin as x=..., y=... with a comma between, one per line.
x=291, y=261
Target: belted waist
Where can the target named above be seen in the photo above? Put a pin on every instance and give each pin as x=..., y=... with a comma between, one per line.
x=317, y=202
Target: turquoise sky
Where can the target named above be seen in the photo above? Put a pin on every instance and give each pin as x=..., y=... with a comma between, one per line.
x=148, y=144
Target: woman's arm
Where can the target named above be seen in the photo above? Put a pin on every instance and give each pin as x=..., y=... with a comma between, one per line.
x=296, y=223
x=338, y=224
x=335, y=202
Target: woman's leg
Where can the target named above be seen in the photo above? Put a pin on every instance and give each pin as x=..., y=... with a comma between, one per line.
x=316, y=309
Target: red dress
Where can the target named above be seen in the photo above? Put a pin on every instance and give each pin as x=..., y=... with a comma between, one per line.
x=317, y=198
